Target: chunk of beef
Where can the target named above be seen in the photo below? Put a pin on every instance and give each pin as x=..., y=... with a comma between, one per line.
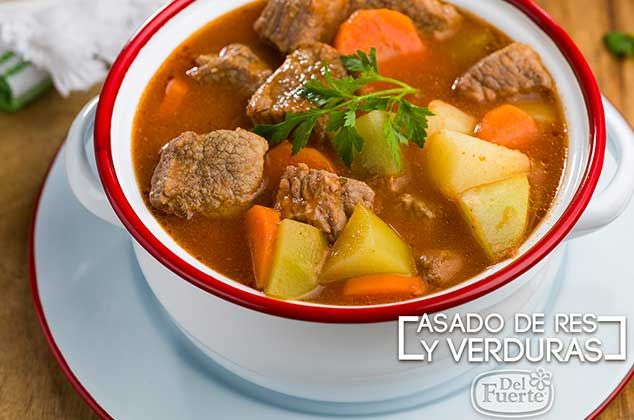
x=355, y=192
x=440, y=266
x=321, y=198
x=432, y=16
x=279, y=95
x=214, y=174
x=291, y=23
x=506, y=72
x=236, y=64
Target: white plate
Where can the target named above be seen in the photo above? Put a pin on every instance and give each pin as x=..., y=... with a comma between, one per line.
x=126, y=358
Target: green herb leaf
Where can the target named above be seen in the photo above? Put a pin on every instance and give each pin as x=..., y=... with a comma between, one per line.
x=414, y=119
x=374, y=104
x=348, y=143
x=302, y=133
x=620, y=44
x=276, y=133
x=361, y=62
x=350, y=119
x=317, y=93
x=339, y=101
x=336, y=120
x=393, y=135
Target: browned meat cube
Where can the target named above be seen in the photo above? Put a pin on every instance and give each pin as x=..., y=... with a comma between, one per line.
x=432, y=16
x=279, y=95
x=321, y=198
x=509, y=71
x=215, y=174
x=236, y=64
x=291, y=23
x=355, y=192
x=440, y=266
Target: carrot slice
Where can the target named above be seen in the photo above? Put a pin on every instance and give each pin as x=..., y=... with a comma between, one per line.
x=175, y=91
x=385, y=285
x=281, y=156
x=508, y=126
x=262, y=225
x=393, y=34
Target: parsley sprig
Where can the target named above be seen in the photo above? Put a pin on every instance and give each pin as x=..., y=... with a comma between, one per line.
x=339, y=101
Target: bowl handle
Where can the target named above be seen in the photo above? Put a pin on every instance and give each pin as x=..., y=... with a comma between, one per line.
x=610, y=203
x=80, y=170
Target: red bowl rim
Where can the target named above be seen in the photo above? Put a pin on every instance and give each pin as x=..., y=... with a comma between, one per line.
x=332, y=314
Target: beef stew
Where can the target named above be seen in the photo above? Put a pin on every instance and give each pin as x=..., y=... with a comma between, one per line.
x=337, y=215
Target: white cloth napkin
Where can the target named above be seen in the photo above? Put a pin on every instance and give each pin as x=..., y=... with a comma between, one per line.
x=75, y=41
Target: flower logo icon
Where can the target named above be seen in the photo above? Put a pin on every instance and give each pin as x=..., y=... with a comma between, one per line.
x=513, y=393
x=540, y=379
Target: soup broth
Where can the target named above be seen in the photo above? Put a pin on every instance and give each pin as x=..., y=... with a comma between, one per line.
x=220, y=242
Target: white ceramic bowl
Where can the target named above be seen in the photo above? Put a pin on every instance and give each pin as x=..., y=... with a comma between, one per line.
x=321, y=352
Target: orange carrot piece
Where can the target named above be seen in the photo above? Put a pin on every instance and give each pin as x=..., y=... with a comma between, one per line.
x=175, y=91
x=508, y=126
x=393, y=34
x=262, y=225
x=281, y=156
x=385, y=285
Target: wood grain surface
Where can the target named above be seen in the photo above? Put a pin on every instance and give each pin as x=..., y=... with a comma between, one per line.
x=31, y=384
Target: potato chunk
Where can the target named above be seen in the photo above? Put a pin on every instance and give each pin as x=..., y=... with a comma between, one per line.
x=367, y=246
x=299, y=252
x=448, y=117
x=457, y=162
x=497, y=214
x=375, y=158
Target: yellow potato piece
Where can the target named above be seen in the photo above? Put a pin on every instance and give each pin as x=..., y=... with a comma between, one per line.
x=498, y=215
x=367, y=246
x=457, y=162
x=448, y=117
x=300, y=250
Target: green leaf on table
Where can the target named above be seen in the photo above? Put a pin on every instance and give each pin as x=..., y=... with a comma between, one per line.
x=619, y=44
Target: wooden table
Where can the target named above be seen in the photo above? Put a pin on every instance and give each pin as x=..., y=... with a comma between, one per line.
x=31, y=384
